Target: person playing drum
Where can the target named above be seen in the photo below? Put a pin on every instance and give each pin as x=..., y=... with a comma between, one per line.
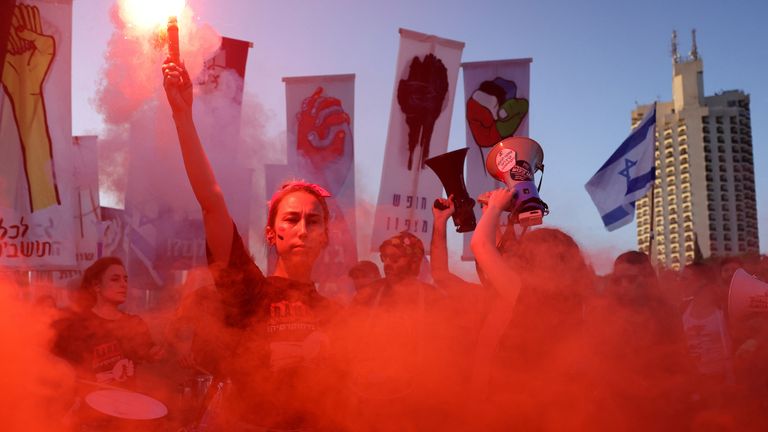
x=102, y=342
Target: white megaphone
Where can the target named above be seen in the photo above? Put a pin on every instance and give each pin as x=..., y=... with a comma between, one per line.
x=520, y=157
x=747, y=294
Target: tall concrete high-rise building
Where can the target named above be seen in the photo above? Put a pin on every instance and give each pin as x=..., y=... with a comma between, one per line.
x=703, y=200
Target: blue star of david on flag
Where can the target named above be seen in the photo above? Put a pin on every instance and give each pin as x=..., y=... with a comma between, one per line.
x=634, y=161
x=628, y=164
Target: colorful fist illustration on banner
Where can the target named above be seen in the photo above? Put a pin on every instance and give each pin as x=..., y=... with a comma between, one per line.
x=28, y=59
x=494, y=112
x=323, y=129
x=421, y=97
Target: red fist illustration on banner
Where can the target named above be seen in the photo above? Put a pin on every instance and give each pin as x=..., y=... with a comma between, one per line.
x=324, y=138
x=323, y=129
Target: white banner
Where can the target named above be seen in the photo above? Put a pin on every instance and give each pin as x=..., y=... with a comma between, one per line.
x=37, y=223
x=163, y=223
x=419, y=124
x=497, y=100
x=88, y=225
x=320, y=149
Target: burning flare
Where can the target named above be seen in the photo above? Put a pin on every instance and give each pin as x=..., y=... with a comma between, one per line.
x=149, y=15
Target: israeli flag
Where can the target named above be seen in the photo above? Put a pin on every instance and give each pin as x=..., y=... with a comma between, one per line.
x=626, y=176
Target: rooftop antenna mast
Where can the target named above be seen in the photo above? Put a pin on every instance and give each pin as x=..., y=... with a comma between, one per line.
x=675, y=54
x=694, y=51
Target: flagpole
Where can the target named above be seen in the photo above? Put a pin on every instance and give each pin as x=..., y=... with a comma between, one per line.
x=653, y=202
x=653, y=217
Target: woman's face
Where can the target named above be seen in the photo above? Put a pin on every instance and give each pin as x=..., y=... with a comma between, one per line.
x=300, y=229
x=113, y=285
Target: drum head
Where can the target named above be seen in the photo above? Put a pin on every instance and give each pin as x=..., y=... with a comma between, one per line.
x=126, y=404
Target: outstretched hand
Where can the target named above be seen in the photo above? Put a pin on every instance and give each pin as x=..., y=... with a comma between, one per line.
x=178, y=87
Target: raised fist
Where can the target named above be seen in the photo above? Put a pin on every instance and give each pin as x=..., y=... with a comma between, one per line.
x=421, y=96
x=29, y=54
x=494, y=112
x=27, y=62
x=323, y=128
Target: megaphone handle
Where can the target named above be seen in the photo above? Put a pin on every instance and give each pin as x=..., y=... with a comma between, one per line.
x=541, y=178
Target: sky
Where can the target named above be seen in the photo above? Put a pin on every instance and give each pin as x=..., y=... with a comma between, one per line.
x=593, y=61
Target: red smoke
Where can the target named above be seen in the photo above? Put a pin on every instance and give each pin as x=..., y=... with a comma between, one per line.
x=37, y=388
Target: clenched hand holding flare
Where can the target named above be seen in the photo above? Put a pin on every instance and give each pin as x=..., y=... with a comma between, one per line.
x=27, y=61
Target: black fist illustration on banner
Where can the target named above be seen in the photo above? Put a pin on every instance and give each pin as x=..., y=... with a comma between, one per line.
x=421, y=97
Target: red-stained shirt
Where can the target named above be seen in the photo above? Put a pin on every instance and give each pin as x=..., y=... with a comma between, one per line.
x=95, y=345
x=282, y=363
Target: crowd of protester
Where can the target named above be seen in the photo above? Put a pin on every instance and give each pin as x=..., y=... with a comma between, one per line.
x=540, y=343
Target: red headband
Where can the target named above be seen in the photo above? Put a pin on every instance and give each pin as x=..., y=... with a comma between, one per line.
x=319, y=190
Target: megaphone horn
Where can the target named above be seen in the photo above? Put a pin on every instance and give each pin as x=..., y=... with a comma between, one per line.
x=449, y=168
x=514, y=161
x=746, y=295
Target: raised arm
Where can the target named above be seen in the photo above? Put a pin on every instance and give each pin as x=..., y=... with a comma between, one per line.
x=503, y=280
x=216, y=217
x=438, y=260
x=499, y=274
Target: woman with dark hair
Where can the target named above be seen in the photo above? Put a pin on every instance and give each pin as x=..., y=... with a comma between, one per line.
x=279, y=364
x=526, y=344
x=104, y=343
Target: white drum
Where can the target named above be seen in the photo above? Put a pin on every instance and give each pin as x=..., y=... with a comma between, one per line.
x=126, y=405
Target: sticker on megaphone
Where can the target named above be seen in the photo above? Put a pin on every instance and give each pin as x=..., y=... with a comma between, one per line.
x=506, y=159
x=507, y=162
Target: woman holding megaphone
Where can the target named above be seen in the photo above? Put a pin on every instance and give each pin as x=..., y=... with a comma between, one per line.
x=538, y=280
